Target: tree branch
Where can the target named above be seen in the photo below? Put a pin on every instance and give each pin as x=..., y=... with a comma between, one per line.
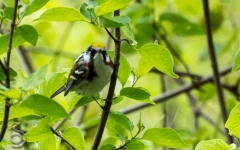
x=172, y=93
x=81, y=116
x=214, y=64
x=108, y=102
x=27, y=65
x=63, y=139
x=7, y=67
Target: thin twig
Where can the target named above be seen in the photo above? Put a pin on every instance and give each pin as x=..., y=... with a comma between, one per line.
x=118, y=40
x=7, y=63
x=172, y=93
x=214, y=64
x=180, y=73
x=192, y=102
x=110, y=34
x=61, y=43
x=108, y=102
x=27, y=65
x=164, y=89
x=63, y=139
x=81, y=116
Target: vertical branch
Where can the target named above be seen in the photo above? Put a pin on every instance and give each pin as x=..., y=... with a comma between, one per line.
x=164, y=89
x=214, y=64
x=7, y=74
x=108, y=103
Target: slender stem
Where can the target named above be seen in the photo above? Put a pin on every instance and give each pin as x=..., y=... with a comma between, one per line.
x=7, y=67
x=63, y=139
x=61, y=43
x=27, y=65
x=214, y=64
x=82, y=115
x=108, y=102
x=164, y=89
x=175, y=92
x=192, y=102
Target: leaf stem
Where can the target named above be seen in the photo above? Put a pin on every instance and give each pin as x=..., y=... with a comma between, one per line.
x=7, y=73
x=57, y=134
x=108, y=102
x=214, y=64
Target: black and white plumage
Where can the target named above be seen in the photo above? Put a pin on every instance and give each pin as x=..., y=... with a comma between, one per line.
x=90, y=73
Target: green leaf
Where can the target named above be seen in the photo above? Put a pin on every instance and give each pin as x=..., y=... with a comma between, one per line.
x=35, y=78
x=128, y=31
x=148, y=144
x=16, y=112
x=135, y=145
x=114, y=22
x=8, y=13
x=83, y=101
x=117, y=99
x=34, y=6
x=44, y=105
x=39, y=132
x=28, y=33
x=87, y=10
x=159, y=57
x=118, y=124
x=12, y=93
x=8, y=3
x=52, y=82
x=124, y=68
x=107, y=147
x=214, y=144
x=135, y=93
x=61, y=14
x=1, y=14
x=48, y=143
x=3, y=88
x=13, y=74
x=233, y=121
x=26, y=1
x=165, y=137
x=236, y=63
x=17, y=40
x=142, y=67
x=5, y=142
x=75, y=136
x=110, y=6
x=181, y=25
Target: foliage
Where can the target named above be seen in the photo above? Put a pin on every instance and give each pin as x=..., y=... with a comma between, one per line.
x=178, y=57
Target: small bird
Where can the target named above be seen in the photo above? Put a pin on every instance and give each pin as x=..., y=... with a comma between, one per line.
x=91, y=71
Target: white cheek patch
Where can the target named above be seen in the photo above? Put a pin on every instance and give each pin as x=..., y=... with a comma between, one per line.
x=107, y=59
x=78, y=72
x=86, y=57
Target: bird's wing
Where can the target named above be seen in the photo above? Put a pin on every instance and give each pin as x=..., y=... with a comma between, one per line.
x=78, y=71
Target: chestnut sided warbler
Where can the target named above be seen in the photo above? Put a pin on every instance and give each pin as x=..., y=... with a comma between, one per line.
x=90, y=73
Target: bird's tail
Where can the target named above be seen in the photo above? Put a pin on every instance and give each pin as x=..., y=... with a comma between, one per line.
x=60, y=90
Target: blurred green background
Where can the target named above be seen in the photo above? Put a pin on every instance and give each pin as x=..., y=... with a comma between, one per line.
x=182, y=24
